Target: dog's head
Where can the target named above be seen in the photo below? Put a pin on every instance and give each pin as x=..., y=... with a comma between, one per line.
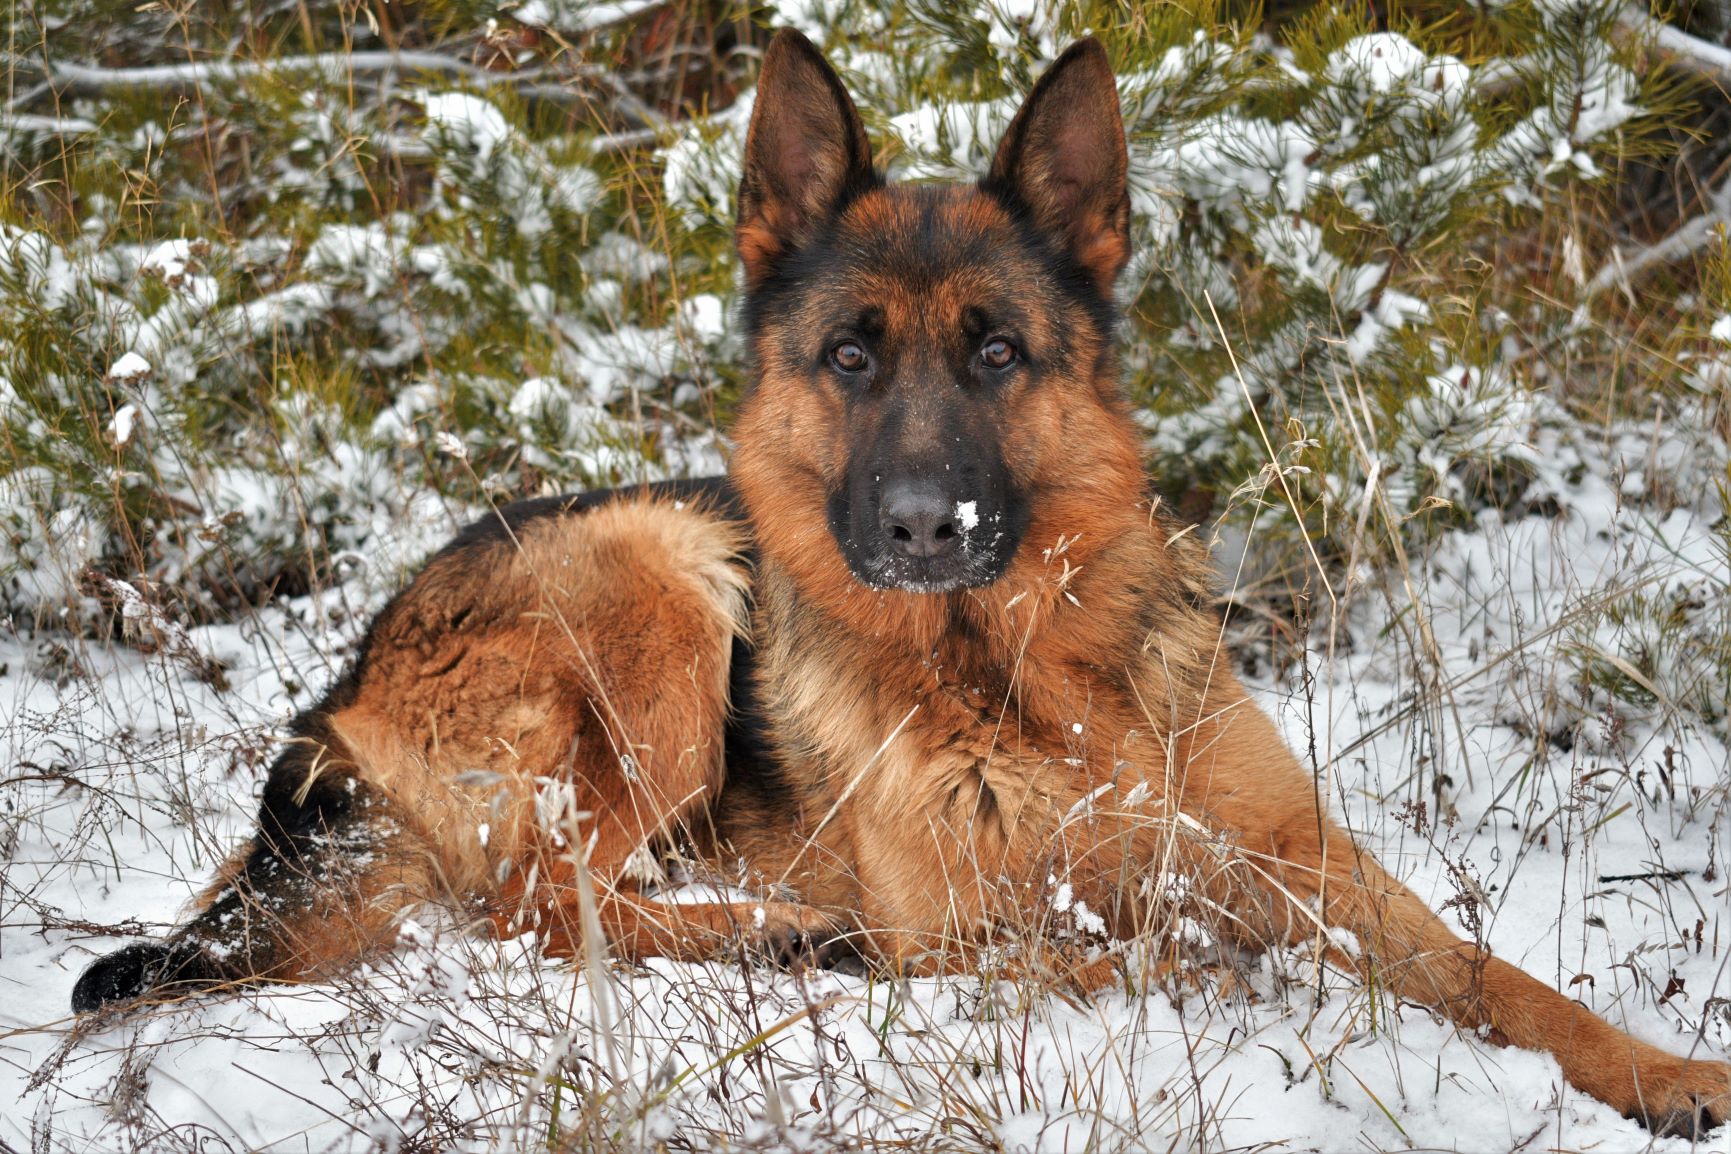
x=934, y=363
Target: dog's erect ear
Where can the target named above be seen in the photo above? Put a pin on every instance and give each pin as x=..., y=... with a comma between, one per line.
x=806, y=153
x=1063, y=160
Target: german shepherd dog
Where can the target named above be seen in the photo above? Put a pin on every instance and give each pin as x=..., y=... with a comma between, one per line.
x=930, y=645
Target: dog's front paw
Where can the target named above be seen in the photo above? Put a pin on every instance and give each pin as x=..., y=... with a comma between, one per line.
x=797, y=938
x=1688, y=1100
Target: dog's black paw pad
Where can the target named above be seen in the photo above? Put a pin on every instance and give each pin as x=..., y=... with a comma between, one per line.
x=1692, y=1116
x=1691, y=1121
x=800, y=949
x=842, y=958
x=129, y=972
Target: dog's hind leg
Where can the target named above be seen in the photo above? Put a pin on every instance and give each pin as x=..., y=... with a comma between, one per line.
x=321, y=882
x=555, y=691
x=623, y=652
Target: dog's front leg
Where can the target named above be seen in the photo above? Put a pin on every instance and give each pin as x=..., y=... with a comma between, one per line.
x=1297, y=864
x=924, y=879
x=1419, y=958
x=942, y=849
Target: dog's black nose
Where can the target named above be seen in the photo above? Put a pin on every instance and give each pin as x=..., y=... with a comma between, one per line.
x=919, y=519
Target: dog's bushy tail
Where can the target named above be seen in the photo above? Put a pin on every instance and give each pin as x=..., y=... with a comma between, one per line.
x=321, y=882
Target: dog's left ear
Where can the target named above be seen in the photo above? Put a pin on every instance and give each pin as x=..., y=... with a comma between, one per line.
x=1064, y=160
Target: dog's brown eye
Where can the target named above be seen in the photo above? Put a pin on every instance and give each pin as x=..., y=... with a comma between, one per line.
x=848, y=357
x=998, y=353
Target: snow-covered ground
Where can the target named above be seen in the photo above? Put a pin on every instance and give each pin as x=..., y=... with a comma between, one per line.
x=1591, y=838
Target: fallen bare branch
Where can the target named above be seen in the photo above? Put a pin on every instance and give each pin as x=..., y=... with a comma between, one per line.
x=1702, y=57
x=599, y=87
x=84, y=77
x=46, y=125
x=1690, y=237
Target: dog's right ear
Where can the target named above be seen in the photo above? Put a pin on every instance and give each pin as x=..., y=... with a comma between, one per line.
x=806, y=154
x=1063, y=160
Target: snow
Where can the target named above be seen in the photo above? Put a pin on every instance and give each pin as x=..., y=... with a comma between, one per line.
x=578, y=15
x=121, y=427
x=535, y=396
x=291, y=308
x=485, y=161
x=1557, y=135
x=1230, y=160
x=1380, y=62
x=467, y=121
x=44, y=272
x=42, y=557
x=700, y=169
x=1294, y=246
x=170, y=259
x=130, y=367
x=952, y=140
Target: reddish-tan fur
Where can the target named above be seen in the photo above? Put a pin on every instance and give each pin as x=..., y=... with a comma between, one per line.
x=584, y=702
